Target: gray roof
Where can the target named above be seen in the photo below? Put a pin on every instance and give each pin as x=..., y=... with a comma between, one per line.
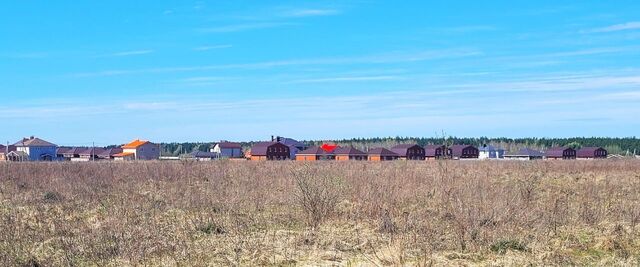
x=226, y=144
x=108, y=152
x=290, y=142
x=33, y=142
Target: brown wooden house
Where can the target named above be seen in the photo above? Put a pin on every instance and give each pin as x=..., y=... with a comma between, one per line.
x=464, y=152
x=432, y=152
x=409, y=151
x=313, y=154
x=591, y=153
x=349, y=153
x=555, y=153
x=382, y=154
x=270, y=151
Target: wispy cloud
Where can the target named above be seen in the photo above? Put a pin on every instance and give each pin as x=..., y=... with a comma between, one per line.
x=349, y=79
x=391, y=57
x=298, y=13
x=618, y=27
x=212, y=47
x=244, y=27
x=131, y=53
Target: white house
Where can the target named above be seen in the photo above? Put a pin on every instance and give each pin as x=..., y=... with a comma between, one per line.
x=35, y=149
x=490, y=152
x=139, y=150
x=226, y=149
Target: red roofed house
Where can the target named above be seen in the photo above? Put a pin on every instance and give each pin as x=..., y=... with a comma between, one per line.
x=555, y=153
x=139, y=150
x=382, y=154
x=409, y=151
x=591, y=153
x=270, y=151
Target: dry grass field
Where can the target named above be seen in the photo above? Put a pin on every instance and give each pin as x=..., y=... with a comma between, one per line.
x=326, y=213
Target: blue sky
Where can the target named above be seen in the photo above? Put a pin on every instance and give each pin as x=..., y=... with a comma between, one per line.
x=76, y=72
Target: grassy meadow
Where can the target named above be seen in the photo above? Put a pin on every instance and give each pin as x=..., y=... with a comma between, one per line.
x=478, y=213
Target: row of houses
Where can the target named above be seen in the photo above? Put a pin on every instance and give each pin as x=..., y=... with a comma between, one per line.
x=281, y=148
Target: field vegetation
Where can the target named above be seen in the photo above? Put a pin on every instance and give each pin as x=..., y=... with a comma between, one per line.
x=229, y=213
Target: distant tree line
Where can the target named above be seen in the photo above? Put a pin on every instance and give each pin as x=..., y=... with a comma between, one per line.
x=624, y=145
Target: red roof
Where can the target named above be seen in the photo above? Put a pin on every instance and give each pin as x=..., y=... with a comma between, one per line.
x=328, y=148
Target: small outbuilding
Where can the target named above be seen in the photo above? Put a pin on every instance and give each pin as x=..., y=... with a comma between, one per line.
x=591, y=153
x=409, y=151
x=382, y=154
x=556, y=153
x=270, y=151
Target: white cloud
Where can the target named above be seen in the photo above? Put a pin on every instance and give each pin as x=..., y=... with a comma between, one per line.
x=297, y=13
x=618, y=27
x=131, y=53
x=244, y=27
x=349, y=79
x=212, y=47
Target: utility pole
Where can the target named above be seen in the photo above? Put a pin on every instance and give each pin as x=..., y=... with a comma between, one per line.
x=93, y=150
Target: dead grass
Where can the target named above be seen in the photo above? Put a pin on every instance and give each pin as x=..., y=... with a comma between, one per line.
x=326, y=213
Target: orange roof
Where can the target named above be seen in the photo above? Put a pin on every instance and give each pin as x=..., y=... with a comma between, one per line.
x=135, y=144
x=124, y=154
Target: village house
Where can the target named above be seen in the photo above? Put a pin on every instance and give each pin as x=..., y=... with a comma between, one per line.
x=490, y=152
x=524, y=154
x=556, y=153
x=109, y=153
x=270, y=151
x=463, y=152
x=349, y=153
x=381, y=154
x=591, y=153
x=294, y=145
x=409, y=151
x=432, y=152
x=226, y=149
x=139, y=150
x=33, y=149
x=314, y=153
x=5, y=150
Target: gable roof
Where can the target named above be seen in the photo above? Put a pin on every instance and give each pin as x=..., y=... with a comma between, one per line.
x=556, y=151
x=135, y=143
x=402, y=148
x=33, y=142
x=290, y=141
x=260, y=149
x=588, y=151
x=109, y=152
x=226, y=144
x=3, y=149
x=456, y=150
x=527, y=152
x=348, y=151
x=430, y=150
x=382, y=152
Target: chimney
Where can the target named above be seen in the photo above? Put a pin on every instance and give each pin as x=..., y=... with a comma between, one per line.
x=31, y=137
x=272, y=139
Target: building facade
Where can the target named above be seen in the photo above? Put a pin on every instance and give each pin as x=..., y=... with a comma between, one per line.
x=225, y=149
x=270, y=151
x=409, y=151
x=36, y=149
